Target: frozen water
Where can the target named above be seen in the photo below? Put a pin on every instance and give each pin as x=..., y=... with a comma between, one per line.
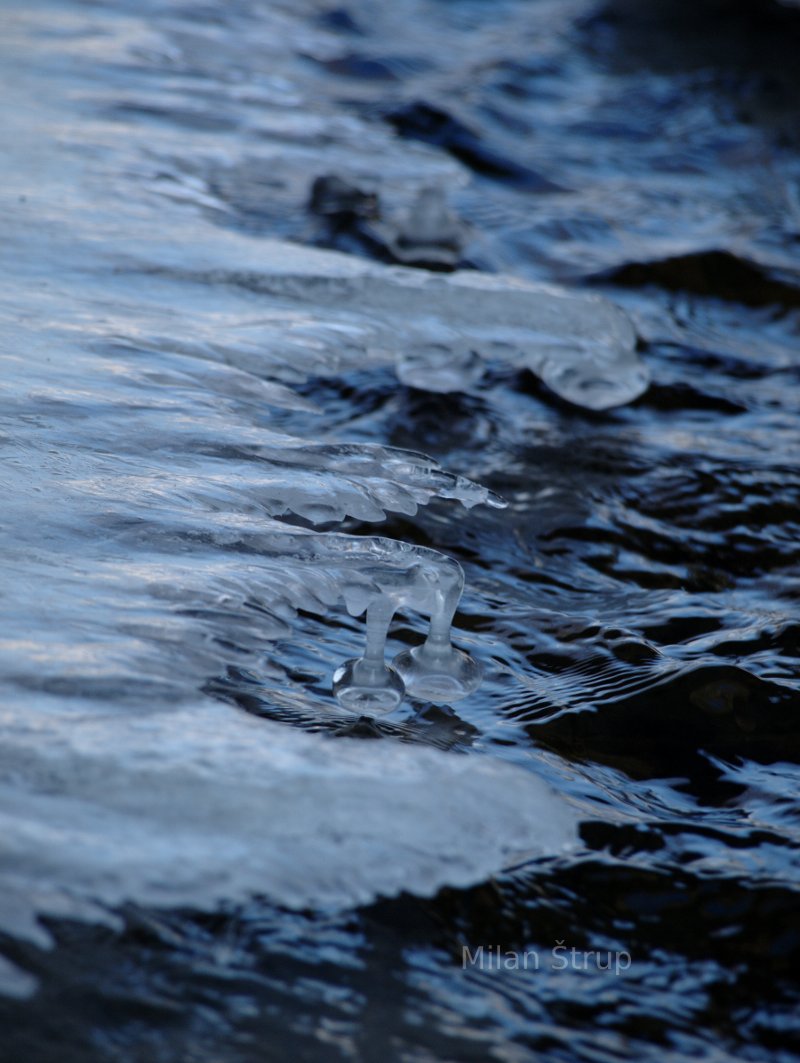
x=148, y=489
x=435, y=671
x=196, y=806
x=438, y=331
x=429, y=234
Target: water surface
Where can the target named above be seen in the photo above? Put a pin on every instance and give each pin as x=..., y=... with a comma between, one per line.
x=635, y=608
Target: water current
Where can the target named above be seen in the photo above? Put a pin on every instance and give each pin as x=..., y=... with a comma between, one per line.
x=329, y=330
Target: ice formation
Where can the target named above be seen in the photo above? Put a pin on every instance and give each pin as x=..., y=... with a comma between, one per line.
x=435, y=671
x=198, y=806
x=427, y=235
x=430, y=234
x=439, y=331
x=327, y=313
x=148, y=494
x=289, y=570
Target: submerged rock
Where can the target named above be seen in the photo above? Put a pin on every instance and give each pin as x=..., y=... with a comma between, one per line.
x=430, y=234
x=339, y=199
x=717, y=274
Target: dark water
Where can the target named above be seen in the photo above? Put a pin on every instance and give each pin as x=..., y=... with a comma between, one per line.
x=637, y=606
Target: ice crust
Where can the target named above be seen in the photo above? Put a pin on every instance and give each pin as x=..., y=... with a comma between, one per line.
x=146, y=490
x=437, y=331
x=200, y=806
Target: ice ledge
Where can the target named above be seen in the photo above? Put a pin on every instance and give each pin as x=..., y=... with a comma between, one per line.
x=193, y=811
x=438, y=330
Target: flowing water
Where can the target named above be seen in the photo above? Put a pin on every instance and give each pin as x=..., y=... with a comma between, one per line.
x=223, y=440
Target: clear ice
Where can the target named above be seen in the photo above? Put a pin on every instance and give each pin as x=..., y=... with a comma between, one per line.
x=428, y=582
x=330, y=314
x=147, y=498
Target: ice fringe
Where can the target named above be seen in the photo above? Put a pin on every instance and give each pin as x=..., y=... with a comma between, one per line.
x=287, y=569
x=379, y=576
x=329, y=313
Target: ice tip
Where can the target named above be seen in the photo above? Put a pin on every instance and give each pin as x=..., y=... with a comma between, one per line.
x=469, y=494
x=495, y=501
x=486, y=498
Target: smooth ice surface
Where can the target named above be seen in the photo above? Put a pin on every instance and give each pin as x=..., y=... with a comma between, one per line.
x=198, y=805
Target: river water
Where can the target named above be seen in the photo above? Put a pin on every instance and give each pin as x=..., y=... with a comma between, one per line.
x=215, y=456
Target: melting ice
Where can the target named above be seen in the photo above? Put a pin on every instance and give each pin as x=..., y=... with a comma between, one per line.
x=146, y=528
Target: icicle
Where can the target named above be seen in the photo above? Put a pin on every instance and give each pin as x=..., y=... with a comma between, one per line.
x=435, y=671
x=366, y=684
